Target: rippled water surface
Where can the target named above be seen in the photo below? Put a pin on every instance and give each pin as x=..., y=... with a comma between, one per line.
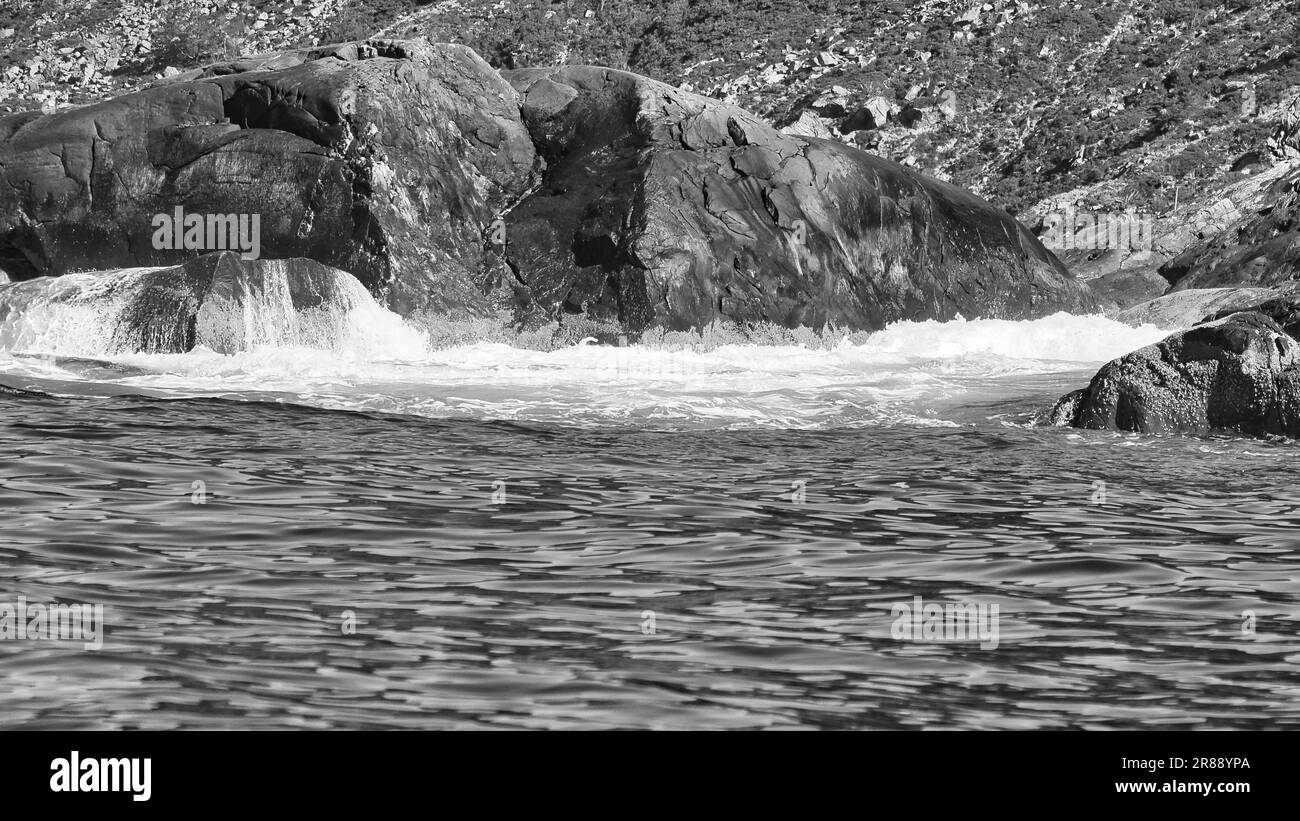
x=574, y=540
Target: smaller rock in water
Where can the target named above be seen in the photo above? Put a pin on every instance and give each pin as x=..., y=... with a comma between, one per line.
x=274, y=302
x=218, y=301
x=1237, y=374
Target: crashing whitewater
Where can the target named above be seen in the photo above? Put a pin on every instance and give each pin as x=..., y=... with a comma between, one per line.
x=64, y=335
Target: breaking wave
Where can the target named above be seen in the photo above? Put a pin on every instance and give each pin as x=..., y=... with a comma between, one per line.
x=63, y=335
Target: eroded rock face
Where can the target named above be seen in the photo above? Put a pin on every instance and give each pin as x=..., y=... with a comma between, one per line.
x=1183, y=309
x=662, y=207
x=387, y=160
x=1121, y=289
x=1280, y=304
x=622, y=199
x=1180, y=310
x=1240, y=373
x=1260, y=248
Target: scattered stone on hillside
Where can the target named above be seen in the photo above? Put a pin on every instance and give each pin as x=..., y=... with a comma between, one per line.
x=920, y=113
x=808, y=125
x=772, y=75
x=948, y=103
x=831, y=103
x=874, y=114
x=969, y=17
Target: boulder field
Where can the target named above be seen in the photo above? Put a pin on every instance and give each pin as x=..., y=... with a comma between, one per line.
x=452, y=190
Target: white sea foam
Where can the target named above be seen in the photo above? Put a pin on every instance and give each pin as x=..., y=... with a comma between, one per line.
x=83, y=315
x=361, y=356
x=74, y=315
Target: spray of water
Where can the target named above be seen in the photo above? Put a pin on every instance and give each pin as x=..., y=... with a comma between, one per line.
x=328, y=343
x=124, y=312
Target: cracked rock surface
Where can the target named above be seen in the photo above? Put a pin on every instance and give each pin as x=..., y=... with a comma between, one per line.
x=382, y=160
x=661, y=207
x=623, y=199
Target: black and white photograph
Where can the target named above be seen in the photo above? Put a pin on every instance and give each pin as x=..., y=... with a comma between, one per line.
x=668, y=365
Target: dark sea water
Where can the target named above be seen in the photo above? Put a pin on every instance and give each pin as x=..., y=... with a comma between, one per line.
x=530, y=611
x=385, y=534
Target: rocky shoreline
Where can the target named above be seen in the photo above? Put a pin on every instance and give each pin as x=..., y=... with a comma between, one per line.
x=451, y=189
x=1231, y=368
x=579, y=194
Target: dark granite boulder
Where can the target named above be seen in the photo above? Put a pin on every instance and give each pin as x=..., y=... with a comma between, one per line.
x=448, y=191
x=662, y=207
x=387, y=160
x=1240, y=373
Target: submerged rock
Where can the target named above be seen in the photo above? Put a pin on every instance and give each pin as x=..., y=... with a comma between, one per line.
x=22, y=393
x=1240, y=373
x=217, y=301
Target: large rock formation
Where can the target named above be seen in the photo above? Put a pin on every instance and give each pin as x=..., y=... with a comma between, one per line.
x=1240, y=373
x=1122, y=289
x=1247, y=234
x=1180, y=310
x=402, y=163
x=1280, y=304
x=663, y=207
x=386, y=160
x=1259, y=248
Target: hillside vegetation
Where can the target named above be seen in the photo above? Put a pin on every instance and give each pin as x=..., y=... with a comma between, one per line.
x=1110, y=104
